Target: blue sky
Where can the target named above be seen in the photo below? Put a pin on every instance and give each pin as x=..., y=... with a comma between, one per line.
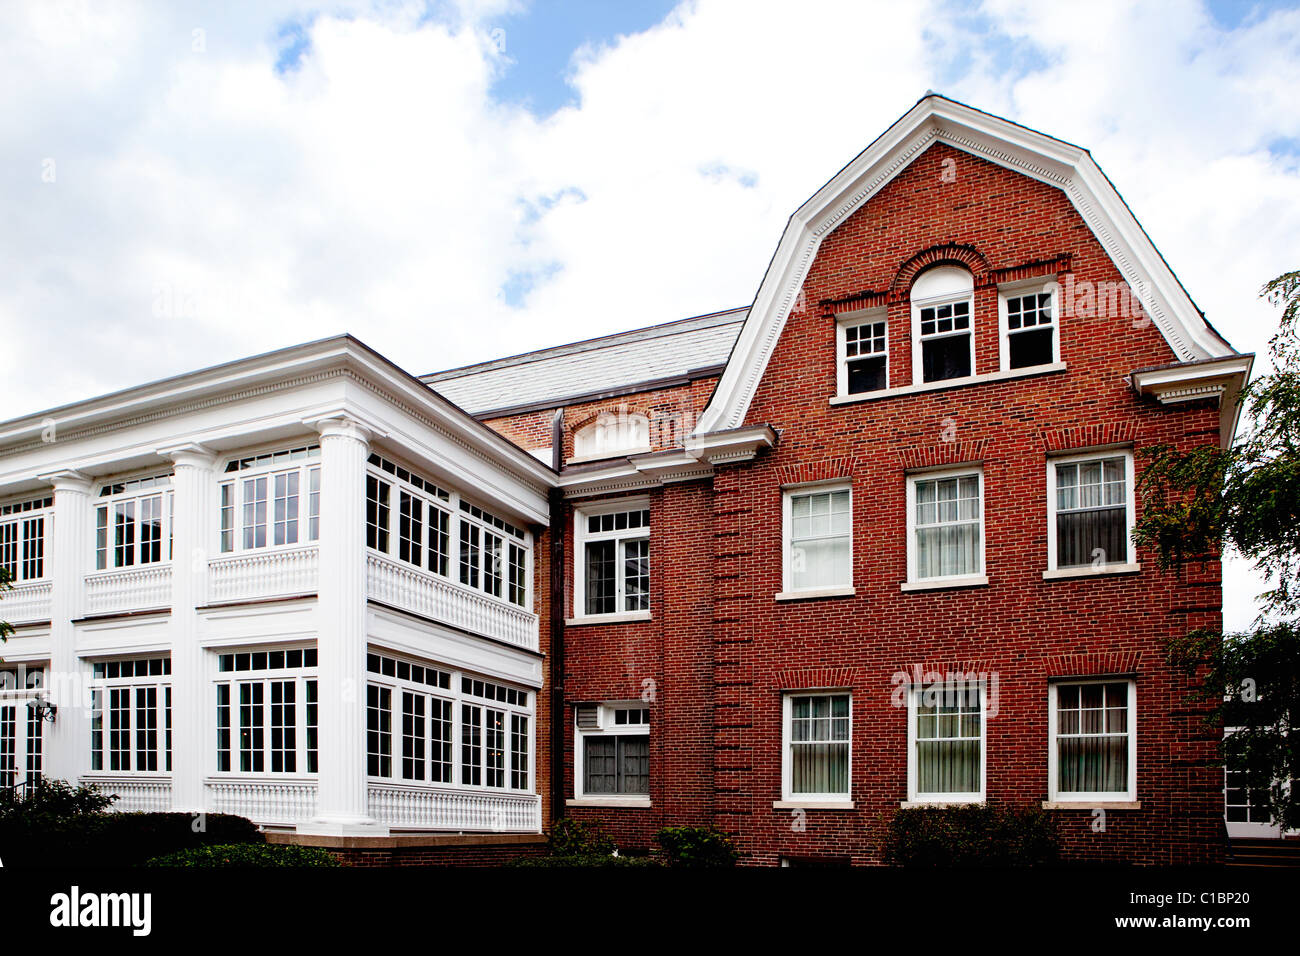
x=188, y=183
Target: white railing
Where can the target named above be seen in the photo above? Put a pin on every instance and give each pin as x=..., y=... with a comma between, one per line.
x=26, y=602
x=154, y=794
x=263, y=801
x=436, y=598
x=258, y=574
x=423, y=808
x=132, y=589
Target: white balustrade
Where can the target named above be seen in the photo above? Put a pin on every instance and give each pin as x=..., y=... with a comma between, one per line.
x=258, y=574
x=424, y=808
x=26, y=602
x=144, y=794
x=263, y=801
x=130, y=589
x=428, y=595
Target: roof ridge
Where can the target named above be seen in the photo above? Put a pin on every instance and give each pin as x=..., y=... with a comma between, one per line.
x=659, y=330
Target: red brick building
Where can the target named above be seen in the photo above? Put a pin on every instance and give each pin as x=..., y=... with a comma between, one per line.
x=866, y=544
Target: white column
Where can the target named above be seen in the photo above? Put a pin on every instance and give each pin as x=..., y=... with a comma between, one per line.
x=341, y=632
x=67, y=740
x=193, y=530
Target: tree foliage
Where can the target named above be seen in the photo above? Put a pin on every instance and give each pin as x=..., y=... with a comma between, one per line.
x=1245, y=499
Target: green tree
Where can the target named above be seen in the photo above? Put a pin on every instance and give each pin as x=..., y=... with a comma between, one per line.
x=1245, y=499
x=5, y=627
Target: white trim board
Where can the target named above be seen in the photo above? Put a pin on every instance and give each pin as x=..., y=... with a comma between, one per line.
x=938, y=119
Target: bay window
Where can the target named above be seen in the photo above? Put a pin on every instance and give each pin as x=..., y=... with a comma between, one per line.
x=945, y=527
x=130, y=715
x=23, y=527
x=819, y=539
x=1090, y=510
x=946, y=743
x=816, y=752
x=1093, y=740
x=612, y=752
x=272, y=500
x=267, y=711
x=613, y=557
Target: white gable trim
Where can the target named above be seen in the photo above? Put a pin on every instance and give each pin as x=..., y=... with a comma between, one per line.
x=937, y=119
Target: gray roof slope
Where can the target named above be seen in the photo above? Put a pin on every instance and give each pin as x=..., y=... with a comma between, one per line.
x=603, y=364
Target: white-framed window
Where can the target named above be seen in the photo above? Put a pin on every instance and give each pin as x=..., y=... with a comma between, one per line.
x=943, y=337
x=1092, y=734
x=271, y=500
x=23, y=530
x=411, y=519
x=268, y=711
x=1028, y=322
x=618, y=432
x=428, y=725
x=816, y=750
x=133, y=523
x=946, y=742
x=945, y=525
x=611, y=744
x=1090, y=510
x=612, y=556
x=131, y=715
x=818, y=523
x=21, y=729
x=862, y=351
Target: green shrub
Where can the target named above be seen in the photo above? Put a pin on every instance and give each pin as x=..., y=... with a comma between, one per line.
x=696, y=847
x=977, y=835
x=586, y=861
x=246, y=855
x=572, y=838
x=54, y=824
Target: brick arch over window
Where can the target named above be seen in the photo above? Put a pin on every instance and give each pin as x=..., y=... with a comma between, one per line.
x=952, y=254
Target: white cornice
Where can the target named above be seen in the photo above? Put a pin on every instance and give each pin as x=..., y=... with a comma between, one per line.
x=696, y=460
x=936, y=119
x=1218, y=379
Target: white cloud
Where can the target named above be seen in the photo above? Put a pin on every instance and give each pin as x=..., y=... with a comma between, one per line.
x=204, y=207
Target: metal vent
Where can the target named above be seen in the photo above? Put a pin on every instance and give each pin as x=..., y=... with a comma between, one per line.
x=588, y=716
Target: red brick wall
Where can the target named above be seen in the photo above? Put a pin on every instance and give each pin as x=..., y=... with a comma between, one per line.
x=721, y=649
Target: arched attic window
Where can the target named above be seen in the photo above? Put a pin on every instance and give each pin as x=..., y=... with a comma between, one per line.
x=943, y=343
x=612, y=433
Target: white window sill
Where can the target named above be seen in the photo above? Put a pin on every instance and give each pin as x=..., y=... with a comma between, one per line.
x=607, y=802
x=948, y=383
x=812, y=593
x=938, y=584
x=937, y=803
x=1106, y=804
x=812, y=804
x=621, y=618
x=1091, y=572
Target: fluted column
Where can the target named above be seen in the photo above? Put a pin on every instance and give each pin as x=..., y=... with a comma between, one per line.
x=67, y=740
x=193, y=533
x=341, y=632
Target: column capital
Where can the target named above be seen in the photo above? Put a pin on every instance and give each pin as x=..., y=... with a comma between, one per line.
x=189, y=454
x=68, y=480
x=344, y=426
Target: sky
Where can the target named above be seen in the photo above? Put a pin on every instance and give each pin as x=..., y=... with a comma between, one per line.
x=185, y=184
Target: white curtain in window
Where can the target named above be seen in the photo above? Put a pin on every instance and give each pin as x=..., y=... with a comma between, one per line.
x=1092, y=738
x=948, y=527
x=819, y=744
x=820, y=540
x=948, y=734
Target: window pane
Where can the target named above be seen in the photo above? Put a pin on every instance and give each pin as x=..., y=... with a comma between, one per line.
x=1026, y=349
x=1092, y=738
x=945, y=358
x=636, y=575
x=601, y=595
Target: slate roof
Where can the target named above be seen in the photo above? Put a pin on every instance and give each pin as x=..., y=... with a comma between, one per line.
x=609, y=364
